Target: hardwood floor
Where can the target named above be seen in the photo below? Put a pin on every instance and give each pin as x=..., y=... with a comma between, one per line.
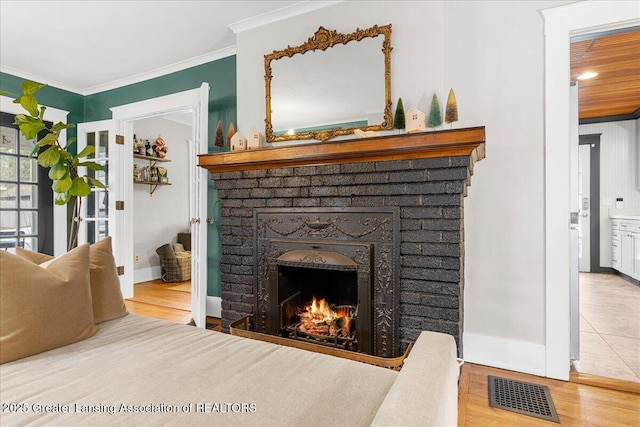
x=576, y=404
x=167, y=301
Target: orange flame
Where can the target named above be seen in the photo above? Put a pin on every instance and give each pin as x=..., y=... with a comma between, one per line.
x=320, y=312
x=320, y=318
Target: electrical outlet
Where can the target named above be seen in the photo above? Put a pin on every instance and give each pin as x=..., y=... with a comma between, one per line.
x=136, y=258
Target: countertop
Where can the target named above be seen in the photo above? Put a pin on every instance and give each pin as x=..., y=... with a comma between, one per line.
x=631, y=217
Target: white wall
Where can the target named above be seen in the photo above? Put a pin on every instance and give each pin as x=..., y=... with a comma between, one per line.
x=157, y=219
x=491, y=54
x=618, y=168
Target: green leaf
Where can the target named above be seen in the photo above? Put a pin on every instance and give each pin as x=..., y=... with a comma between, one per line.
x=29, y=103
x=95, y=182
x=35, y=150
x=58, y=171
x=50, y=157
x=89, y=149
x=60, y=126
x=62, y=198
x=29, y=127
x=62, y=185
x=79, y=187
x=29, y=87
x=42, y=110
x=48, y=139
x=91, y=165
x=70, y=142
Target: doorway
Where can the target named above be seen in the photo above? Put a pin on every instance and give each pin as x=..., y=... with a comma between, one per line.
x=560, y=24
x=161, y=219
x=607, y=302
x=194, y=103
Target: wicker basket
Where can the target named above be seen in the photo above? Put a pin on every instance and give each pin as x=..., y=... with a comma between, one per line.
x=176, y=266
x=184, y=263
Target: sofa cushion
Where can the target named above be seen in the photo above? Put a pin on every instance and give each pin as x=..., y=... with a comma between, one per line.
x=42, y=308
x=106, y=295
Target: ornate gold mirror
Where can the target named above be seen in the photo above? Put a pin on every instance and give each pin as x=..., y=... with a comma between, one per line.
x=329, y=86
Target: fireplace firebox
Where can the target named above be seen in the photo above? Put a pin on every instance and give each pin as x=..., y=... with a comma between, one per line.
x=344, y=260
x=338, y=275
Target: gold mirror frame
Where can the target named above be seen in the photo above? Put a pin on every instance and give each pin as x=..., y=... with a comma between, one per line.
x=322, y=40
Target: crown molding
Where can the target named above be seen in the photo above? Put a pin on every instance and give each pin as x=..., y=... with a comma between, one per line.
x=158, y=72
x=163, y=71
x=37, y=78
x=279, y=15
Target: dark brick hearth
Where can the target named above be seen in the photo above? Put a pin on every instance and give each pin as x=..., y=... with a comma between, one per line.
x=429, y=194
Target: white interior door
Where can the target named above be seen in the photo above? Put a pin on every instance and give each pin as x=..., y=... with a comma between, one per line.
x=574, y=287
x=584, y=201
x=198, y=209
x=96, y=213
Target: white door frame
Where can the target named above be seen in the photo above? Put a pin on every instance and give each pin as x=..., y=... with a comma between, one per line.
x=60, y=222
x=560, y=24
x=124, y=116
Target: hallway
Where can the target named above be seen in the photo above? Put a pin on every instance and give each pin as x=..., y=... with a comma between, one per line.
x=609, y=327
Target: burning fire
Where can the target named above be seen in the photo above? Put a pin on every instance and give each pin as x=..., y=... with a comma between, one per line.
x=319, y=318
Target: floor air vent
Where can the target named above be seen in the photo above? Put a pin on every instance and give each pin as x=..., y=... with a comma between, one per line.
x=521, y=397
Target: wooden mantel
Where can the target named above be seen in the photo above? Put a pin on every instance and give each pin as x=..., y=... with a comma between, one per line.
x=446, y=143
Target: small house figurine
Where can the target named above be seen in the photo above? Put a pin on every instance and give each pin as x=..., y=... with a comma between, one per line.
x=254, y=139
x=414, y=120
x=238, y=142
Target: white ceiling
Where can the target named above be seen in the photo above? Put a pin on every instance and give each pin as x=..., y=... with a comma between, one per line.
x=91, y=46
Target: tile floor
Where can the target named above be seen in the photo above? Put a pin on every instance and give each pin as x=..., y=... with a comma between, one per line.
x=609, y=327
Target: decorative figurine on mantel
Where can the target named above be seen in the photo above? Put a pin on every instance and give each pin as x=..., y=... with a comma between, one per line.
x=451, y=112
x=238, y=142
x=435, y=117
x=230, y=133
x=254, y=139
x=219, y=140
x=414, y=120
x=398, y=121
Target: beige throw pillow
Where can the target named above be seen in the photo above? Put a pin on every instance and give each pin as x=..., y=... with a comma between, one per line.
x=106, y=295
x=42, y=308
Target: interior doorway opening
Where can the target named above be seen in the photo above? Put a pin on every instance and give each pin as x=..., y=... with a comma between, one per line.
x=161, y=214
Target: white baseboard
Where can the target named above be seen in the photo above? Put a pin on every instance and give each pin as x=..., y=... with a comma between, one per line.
x=146, y=274
x=503, y=353
x=214, y=306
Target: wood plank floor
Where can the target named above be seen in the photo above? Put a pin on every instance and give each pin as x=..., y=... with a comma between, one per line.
x=576, y=404
x=157, y=299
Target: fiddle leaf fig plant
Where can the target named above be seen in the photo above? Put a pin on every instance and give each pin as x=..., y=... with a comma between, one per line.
x=51, y=153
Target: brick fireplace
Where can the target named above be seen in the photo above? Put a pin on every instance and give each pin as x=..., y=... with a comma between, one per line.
x=415, y=184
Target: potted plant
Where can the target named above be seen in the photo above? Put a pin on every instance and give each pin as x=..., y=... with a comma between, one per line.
x=68, y=185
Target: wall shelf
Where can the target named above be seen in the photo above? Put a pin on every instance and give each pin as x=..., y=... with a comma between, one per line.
x=153, y=185
x=150, y=158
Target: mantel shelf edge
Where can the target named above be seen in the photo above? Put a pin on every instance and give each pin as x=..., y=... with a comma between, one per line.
x=446, y=143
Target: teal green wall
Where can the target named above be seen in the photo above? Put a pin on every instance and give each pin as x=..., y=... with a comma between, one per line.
x=50, y=96
x=221, y=76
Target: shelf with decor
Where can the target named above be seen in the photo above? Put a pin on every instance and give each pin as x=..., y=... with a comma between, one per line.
x=145, y=175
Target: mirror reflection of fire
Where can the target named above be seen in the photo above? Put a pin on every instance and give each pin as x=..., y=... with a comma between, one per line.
x=320, y=319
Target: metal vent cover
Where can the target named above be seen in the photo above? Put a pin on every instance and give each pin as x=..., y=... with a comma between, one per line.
x=522, y=397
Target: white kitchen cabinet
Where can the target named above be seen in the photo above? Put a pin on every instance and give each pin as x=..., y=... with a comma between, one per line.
x=636, y=255
x=625, y=246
